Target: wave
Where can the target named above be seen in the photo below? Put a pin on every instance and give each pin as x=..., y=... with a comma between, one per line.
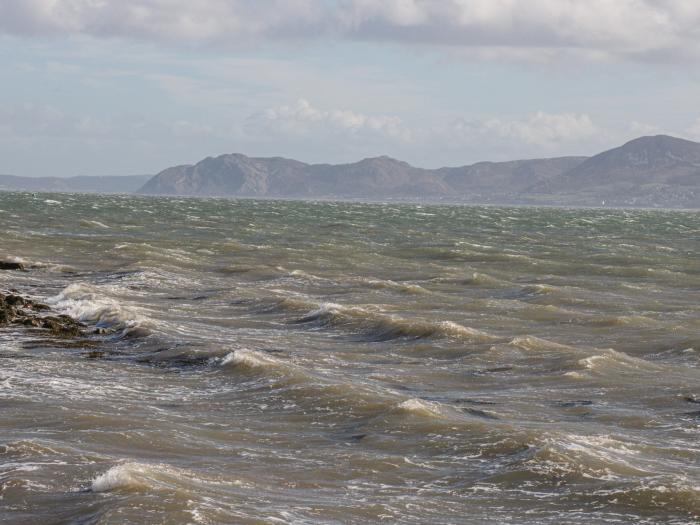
x=252, y=360
x=427, y=409
x=627, y=471
x=482, y=279
x=383, y=408
x=91, y=223
x=671, y=493
x=623, y=320
x=126, y=476
x=420, y=407
x=374, y=283
x=537, y=344
x=251, y=273
x=90, y=304
x=388, y=284
x=613, y=361
x=26, y=448
x=602, y=457
x=138, y=477
x=537, y=289
x=379, y=326
x=309, y=388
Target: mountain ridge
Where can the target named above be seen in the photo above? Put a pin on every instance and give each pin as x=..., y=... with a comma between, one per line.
x=651, y=171
x=382, y=176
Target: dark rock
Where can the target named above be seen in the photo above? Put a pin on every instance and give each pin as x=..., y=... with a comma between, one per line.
x=62, y=325
x=18, y=310
x=14, y=300
x=9, y=265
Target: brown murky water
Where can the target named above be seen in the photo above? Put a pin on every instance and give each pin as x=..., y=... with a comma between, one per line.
x=287, y=362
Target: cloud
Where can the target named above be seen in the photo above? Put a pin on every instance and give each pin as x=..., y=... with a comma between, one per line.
x=693, y=132
x=39, y=120
x=27, y=121
x=344, y=133
x=175, y=20
x=516, y=29
x=540, y=129
x=643, y=128
x=301, y=118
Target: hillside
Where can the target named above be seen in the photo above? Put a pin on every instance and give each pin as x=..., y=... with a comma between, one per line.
x=648, y=171
x=658, y=171
x=372, y=178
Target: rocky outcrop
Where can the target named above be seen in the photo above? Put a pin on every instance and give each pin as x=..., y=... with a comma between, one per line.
x=11, y=265
x=16, y=310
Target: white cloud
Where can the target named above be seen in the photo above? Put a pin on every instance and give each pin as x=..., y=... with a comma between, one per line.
x=540, y=129
x=693, y=132
x=39, y=121
x=518, y=29
x=643, y=128
x=301, y=118
x=346, y=133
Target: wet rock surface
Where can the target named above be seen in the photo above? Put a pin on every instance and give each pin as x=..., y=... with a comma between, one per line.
x=17, y=310
x=10, y=265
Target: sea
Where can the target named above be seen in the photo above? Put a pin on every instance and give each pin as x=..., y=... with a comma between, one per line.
x=282, y=362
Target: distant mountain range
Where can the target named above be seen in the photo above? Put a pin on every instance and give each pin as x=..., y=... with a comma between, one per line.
x=659, y=171
x=80, y=184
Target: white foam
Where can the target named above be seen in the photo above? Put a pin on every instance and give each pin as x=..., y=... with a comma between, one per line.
x=393, y=285
x=612, y=357
x=125, y=476
x=421, y=408
x=451, y=328
x=328, y=309
x=90, y=304
x=249, y=359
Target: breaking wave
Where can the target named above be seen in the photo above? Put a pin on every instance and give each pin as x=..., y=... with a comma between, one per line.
x=90, y=304
x=138, y=477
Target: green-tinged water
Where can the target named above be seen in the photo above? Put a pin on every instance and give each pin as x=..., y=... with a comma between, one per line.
x=289, y=362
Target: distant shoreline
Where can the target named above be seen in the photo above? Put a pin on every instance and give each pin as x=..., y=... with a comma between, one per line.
x=360, y=201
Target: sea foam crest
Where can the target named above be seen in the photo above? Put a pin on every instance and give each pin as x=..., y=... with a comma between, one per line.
x=612, y=358
x=89, y=304
x=249, y=359
x=134, y=476
x=388, y=284
x=421, y=408
x=126, y=476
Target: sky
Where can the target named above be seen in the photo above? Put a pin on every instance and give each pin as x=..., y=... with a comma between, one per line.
x=117, y=87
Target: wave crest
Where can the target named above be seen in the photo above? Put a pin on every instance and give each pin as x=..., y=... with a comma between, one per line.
x=384, y=327
x=91, y=305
